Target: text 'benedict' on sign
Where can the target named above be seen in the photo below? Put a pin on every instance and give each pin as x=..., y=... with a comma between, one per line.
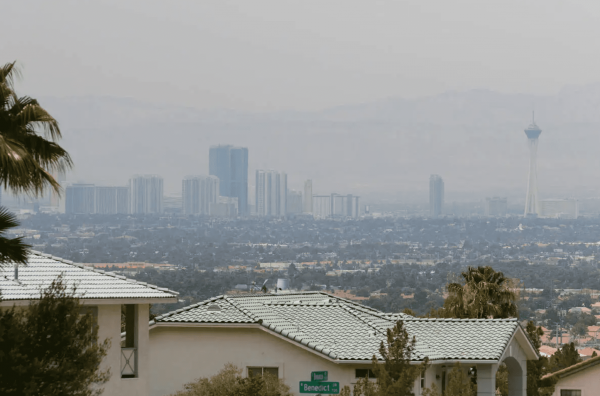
x=327, y=388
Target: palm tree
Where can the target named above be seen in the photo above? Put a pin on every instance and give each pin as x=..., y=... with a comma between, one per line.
x=27, y=158
x=486, y=293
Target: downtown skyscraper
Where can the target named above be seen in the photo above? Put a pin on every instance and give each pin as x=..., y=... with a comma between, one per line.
x=271, y=193
x=80, y=199
x=198, y=193
x=436, y=195
x=112, y=200
x=230, y=165
x=308, y=197
x=146, y=194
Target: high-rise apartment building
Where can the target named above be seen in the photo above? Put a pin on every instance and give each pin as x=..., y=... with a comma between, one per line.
x=436, y=195
x=80, y=199
x=308, y=197
x=321, y=206
x=496, y=206
x=230, y=165
x=55, y=198
x=294, y=202
x=344, y=205
x=198, y=193
x=146, y=192
x=271, y=193
x=112, y=200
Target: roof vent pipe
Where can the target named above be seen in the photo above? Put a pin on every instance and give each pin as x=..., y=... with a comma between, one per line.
x=283, y=284
x=16, y=271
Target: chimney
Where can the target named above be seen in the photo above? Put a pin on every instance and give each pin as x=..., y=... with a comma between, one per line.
x=16, y=271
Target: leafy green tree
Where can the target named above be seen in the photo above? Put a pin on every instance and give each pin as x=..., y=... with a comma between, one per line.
x=27, y=159
x=345, y=391
x=433, y=391
x=485, y=293
x=459, y=383
x=396, y=376
x=536, y=369
x=48, y=348
x=564, y=357
x=229, y=382
x=502, y=380
x=580, y=329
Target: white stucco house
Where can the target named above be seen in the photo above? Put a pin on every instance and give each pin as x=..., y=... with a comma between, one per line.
x=294, y=334
x=103, y=294
x=581, y=379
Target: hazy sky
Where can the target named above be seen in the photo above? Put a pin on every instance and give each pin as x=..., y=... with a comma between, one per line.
x=262, y=55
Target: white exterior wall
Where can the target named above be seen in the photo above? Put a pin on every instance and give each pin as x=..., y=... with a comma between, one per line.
x=179, y=355
x=109, y=326
x=587, y=381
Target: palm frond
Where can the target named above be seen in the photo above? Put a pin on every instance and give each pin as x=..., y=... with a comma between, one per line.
x=27, y=159
x=11, y=250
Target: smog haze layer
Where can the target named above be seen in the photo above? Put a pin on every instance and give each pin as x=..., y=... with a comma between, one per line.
x=363, y=97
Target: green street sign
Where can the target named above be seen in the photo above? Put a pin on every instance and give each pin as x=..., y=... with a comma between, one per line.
x=325, y=388
x=318, y=376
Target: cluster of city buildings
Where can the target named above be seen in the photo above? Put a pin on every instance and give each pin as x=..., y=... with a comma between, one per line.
x=222, y=193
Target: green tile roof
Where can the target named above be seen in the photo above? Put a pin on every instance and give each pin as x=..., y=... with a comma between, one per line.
x=345, y=330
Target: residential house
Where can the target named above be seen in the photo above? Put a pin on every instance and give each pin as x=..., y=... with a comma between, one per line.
x=294, y=334
x=103, y=294
x=594, y=331
x=580, y=310
x=581, y=379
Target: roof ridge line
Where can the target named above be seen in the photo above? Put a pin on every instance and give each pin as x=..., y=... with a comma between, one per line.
x=303, y=339
x=499, y=320
x=256, y=295
x=244, y=311
x=171, y=313
x=349, y=301
x=370, y=324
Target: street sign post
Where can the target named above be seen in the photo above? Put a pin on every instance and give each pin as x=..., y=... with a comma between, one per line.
x=325, y=388
x=318, y=376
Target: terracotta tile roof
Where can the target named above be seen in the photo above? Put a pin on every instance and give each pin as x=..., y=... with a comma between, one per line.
x=345, y=330
x=588, y=352
x=546, y=350
x=42, y=269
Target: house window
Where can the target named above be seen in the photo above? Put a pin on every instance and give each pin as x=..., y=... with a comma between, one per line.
x=260, y=371
x=422, y=380
x=364, y=373
x=570, y=392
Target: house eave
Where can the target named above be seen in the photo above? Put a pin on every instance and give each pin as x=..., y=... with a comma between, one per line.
x=258, y=326
x=100, y=301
